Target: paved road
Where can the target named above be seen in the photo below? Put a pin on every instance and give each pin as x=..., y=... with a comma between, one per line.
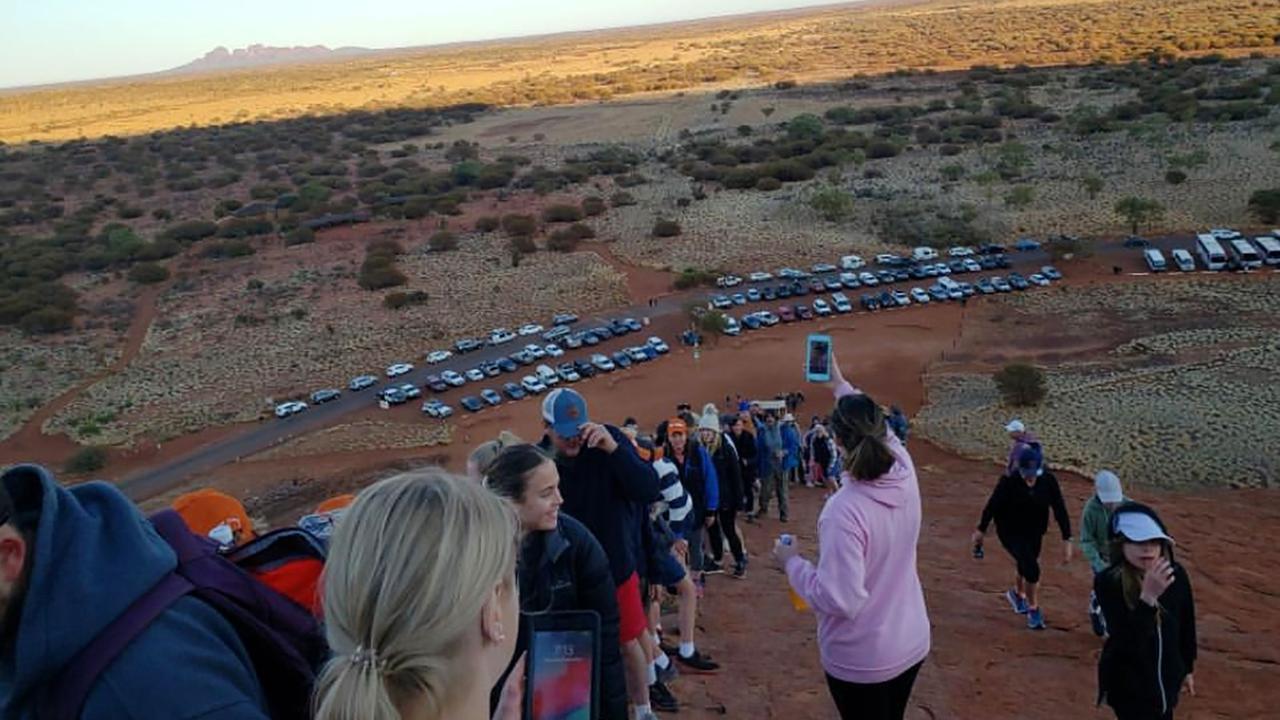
x=153, y=481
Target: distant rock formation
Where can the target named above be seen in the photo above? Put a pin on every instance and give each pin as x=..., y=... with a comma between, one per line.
x=220, y=58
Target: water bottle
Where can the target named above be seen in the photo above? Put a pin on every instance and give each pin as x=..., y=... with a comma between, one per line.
x=797, y=602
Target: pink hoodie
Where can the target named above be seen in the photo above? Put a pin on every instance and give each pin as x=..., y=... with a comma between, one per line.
x=872, y=622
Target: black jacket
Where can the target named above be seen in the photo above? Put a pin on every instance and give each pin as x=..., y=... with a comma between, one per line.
x=745, y=443
x=1023, y=512
x=728, y=473
x=1147, y=655
x=610, y=494
x=566, y=569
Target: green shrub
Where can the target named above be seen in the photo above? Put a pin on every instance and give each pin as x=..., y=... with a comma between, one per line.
x=768, y=184
x=1265, y=205
x=190, y=231
x=129, y=212
x=1175, y=177
x=666, y=228
x=691, y=277
x=299, y=236
x=161, y=214
x=228, y=249
x=442, y=241
x=245, y=227
x=593, y=206
x=86, y=460
x=951, y=173
x=833, y=203
x=418, y=206
x=397, y=300
x=487, y=224
x=148, y=273
x=377, y=273
x=562, y=240
x=1021, y=384
x=1020, y=196
x=519, y=225
x=621, y=199
x=561, y=213
x=47, y=320
x=878, y=149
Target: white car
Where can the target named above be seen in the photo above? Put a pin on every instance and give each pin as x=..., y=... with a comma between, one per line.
x=919, y=295
x=852, y=262
x=972, y=265
x=533, y=385
x=841, y=303
x=529, y=329
x=284, y=410
x=901, y=298
x=823, y=268
x=1038, y=279
x=474, y=375
x=731, y=327
x=868, y=279
x=768, y=318
x=547, y=375
x=602, y=362
x=436, y=409
x=399, y=369
x=924, y=253
x=960, y=252
x=438, y=356
x=1225, y=234
x=728, y=281
x=759, y=276
x=568, y=374
x=941, y=269
x=886, y=259
x=535, y=351
x=453, y=378
x=554, y=351
x=658, y=345
x=1184, y=260
x=821, y=307
x=501, y=335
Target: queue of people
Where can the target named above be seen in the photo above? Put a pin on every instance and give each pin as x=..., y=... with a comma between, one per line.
x=593, y=517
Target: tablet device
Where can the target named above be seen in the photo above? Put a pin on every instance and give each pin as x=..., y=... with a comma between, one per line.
x=817, y=359
x=563, y=681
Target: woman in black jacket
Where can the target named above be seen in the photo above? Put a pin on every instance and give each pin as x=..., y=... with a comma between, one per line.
x=745, y=443
x=729, y=474
x=561, y=564
x=1146, y=599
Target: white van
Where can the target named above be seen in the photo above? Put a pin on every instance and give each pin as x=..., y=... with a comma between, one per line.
x=852, y=262
x=1155, y=260
x=1185, y=261
x=547, y=375
x=841, y=303
x=924, y=253
x=948, y=283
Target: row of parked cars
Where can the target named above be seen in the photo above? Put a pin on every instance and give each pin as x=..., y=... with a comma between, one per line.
x=853, y=263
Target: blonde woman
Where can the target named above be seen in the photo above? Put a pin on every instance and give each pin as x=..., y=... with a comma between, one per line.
x=421, y=604
x=486, y=452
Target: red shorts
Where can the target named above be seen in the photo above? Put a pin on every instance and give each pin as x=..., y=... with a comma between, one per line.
x=631, y=618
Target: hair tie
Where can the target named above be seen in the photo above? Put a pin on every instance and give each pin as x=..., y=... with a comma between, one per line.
x=367, y=657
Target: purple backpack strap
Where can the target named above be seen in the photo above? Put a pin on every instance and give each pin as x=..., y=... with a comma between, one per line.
x=64, y=698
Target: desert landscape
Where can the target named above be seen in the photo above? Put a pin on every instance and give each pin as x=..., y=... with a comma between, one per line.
x=181, y=254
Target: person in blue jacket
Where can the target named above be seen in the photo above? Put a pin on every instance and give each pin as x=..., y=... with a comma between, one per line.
x=698, y=475
x=791, y=447
x=72, y=560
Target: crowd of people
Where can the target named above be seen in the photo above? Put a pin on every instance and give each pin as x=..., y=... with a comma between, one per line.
x=426, y=575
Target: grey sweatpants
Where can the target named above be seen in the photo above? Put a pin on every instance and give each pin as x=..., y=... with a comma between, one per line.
x=774, y=483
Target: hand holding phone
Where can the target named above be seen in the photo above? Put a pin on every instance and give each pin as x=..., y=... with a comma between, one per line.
x=818, y=360
x=563, y=666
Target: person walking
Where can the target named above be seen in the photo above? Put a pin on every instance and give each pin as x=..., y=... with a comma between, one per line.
x=698, y=476
x=745, y=443
x=561, y=564
x=806, y=452
x=1095, y=536
x=1020, y=437
x=1150, y=652
x=873, y=626
x=1020, y=506
x=791, y=449
x=729, y=475
x=769, y=455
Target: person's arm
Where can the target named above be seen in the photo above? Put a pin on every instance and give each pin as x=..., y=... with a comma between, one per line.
x=636, y=478
x=1060, y=510
x=1129, y=627
x=1188, y=621
x=710, y=479
x=837, y=584
x=993, y=505
x=1089, y=540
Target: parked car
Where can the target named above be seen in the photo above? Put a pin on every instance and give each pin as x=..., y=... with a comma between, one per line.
x=966, y=289
x=568, y=372
x=590, y=339
x=547, y=375
x=833, y=284
x=514, y=391
x=436, y=409
x=521, y=357
x=760, y=276
x=1000, y=284
x=731, y=327
x=821, y=307
x=573, y=341
x=490, y=397
x=360, y=382
x=991, y=249
x=819, y=286
x=467, y=345
x=960, y=251
x=957, y=266
x=556, y=333
x=507, y=365
x=887, y=300
x=530, y=329
x=868, y=279
x=453, y=378
x=1052, y=273
x=1038, y=279
x=585, y=368
x=985, y=287
x=1017, y=282
x=436, y=384
x=799, y=289
x=438, y=356
x=602, y=362
x=901, y=298
x=564, y=319
x=535, y=351
x=721, y=302
x=398, y=369
x=939, y=293
x=411, y=391
x=490, y=369
x=870, y=302
x=602, y=332
x=324, y=396
x=1134, y=241
x=971, y=265
x=852, y=262
x=738, y=298
x=500, y=336
x=293, y=407
x=923, y=253
x=823, y=268
x=753, y=294
x=553, y=351
x=840, y=303
x=920, y=295
x=658, y=344
x=637, y=354
x=784, y=292
x=887, y=259
x=393, y=396
x=1001, y=261
x=474, y=375
x=1183, y=259
x=803, y=312
x=621, y=359
x=728, y=281
x=471, y=403
x=786, y=314
x=533, y=385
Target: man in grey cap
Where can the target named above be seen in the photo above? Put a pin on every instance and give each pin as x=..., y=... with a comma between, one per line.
x=1021, y=437
x=1095, y=538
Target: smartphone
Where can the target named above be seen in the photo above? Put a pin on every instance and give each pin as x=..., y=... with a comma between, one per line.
x=563, y=680
x=817, y=359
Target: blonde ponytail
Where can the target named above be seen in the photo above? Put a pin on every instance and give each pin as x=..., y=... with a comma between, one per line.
x=409, y=569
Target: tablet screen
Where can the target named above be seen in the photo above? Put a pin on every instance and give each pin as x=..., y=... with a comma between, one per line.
x=562, y=674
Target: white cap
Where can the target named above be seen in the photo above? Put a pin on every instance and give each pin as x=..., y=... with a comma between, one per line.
x=1107, y=485
x=1140, y=527
x=223, y=534
x=1015, y=425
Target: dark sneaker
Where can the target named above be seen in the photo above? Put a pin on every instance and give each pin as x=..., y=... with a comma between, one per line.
x=668, y=649
x=668, y=673
x=1035, y=619
x=698, y=663
x=711, y=567
x=782, y=518
x=1018, y=602
x=1099, y=627
x=661, y=699
x=740, y=569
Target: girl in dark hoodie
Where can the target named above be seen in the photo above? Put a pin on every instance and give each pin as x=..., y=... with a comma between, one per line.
x=1146, y=598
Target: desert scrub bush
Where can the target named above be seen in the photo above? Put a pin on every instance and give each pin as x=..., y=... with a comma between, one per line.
x=1139, y=211
x=1020, y=196
x=245, y=227
x=397, y=300
x=148, y=273
x=561, y=213
x=562, y=240
x=878, y=149
x=832, y=203
x=299, y=236
x=1175, y=177
x=443, y=240
x=190, y=231
x=622, y=199
x=768, y=184
x=86, y=460
x=666, y=228
x=1265, y=205
x=228, y=249
x=1021, y=384
x=487, y=223
x=129, y=212
x=519, y=225
x=593, y=206
x=630, y=180
x=952, y=173
x=693, y=277
x=418, y=206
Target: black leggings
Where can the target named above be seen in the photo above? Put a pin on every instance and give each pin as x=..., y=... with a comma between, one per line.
x=877, y=701
x=1026, y=553
x=748, y=492
x=725, y=529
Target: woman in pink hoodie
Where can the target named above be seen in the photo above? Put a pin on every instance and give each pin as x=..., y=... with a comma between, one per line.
x=873, y=629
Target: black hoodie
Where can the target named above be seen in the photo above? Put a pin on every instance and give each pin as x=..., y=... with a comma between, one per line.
x=1149, y=650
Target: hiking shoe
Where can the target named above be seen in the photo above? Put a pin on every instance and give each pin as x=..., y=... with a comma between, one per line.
x=698, y=663
x=740, y=569
x=1018, y=602
x=782, y=518
x=661, y=699
x=1035, y=619
x=711, y=567
x=670, y=672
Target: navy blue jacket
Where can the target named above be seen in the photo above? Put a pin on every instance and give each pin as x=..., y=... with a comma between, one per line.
x=566, y=569
x=609, y=493
x=95, y=555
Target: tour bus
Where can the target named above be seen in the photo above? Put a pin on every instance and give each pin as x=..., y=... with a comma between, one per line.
x=1211, y=252
x=1245, y=253
x=1270, y=247
x=1155, y=259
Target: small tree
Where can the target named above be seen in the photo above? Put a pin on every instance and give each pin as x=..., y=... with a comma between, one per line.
x=1175, y=177
x=442, y=241
x=1021, y=384
x=592, y=206
x=148, y=273
x=1092, y=185
x=1265, y=205
x=299, y=236
x=666, y=228
x=487, y=223
x=87, y=460
x=1020, y=196
x=561, y=213
x=806, y=126
x=832, y=203
x=1070, y=247
x=1139, y=211
x=519, y=225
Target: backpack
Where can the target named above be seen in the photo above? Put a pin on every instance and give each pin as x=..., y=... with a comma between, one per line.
x=284, y=640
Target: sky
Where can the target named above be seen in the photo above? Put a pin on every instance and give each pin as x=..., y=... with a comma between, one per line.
x=49, y=41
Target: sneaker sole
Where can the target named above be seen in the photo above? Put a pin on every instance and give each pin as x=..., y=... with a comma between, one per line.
x=1014, y=605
